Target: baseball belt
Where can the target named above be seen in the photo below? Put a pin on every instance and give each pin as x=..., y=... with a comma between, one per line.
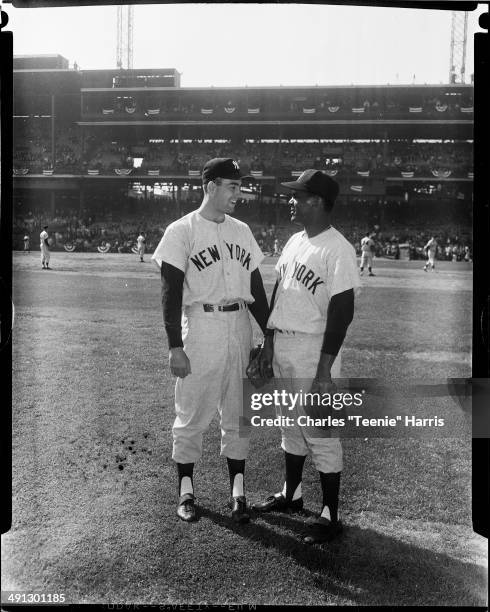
x=222, y=308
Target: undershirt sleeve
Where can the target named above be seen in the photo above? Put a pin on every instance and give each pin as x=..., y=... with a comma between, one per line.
x=339, y=316
x=172, y=288
x=259, y=308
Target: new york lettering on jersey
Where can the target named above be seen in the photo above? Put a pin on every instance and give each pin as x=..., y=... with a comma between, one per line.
x=302, y=273
x=211, y=254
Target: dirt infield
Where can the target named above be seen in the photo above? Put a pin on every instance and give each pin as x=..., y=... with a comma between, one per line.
x=94, y=484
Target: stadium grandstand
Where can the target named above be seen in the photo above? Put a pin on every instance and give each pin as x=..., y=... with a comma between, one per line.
x=101, y=155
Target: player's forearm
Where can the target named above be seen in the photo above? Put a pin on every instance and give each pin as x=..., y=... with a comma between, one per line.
x=172, y=288
x=339, y=316
x=260, y=307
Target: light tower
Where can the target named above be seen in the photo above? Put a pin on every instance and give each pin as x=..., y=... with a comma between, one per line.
x=124, y=53
x=457, y=60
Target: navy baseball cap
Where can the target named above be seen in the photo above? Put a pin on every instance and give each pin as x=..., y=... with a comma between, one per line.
x=315, y=182
x=221, y=167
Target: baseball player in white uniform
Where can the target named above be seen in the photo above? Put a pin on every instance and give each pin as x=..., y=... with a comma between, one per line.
x=210, y=280
x=27, y=244
x=312, y=307
x=45, y=254
x=430, y=248
x=141, y=243
x=367, y=251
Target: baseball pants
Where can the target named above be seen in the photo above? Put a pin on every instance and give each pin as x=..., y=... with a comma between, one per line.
x=296, y=357
x=366, y=260
x=45, y=255
x=218, y=346
x=431, y=256
x=141, y=251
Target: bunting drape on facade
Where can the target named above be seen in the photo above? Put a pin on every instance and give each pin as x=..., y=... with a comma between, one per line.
x=441, y=173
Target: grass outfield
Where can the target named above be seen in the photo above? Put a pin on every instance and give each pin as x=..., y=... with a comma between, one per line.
x=94, y=488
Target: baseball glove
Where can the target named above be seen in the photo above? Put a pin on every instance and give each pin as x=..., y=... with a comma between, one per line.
x=257, y=372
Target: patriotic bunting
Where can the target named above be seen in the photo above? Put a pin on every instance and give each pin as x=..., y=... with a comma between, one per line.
x=441, y=173
x=123, y=171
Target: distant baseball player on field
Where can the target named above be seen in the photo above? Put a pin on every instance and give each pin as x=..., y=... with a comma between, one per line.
x=45, y=253
x=27, y=244
x=367, y=253
x=141, y=242
x=430, y=250
x=209, y=268
x=312, y=307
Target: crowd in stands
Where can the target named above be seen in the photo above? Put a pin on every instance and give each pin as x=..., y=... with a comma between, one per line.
x=32, y=152
x=87, y=230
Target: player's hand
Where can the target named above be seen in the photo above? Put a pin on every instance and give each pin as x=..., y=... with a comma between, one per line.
x=323, y=385
x=179, y=362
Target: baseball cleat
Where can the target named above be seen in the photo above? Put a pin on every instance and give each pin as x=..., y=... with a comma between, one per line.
x=278, y=503
x=371, y=274
x=239, y=511
x=323, y=530
x=186, y=510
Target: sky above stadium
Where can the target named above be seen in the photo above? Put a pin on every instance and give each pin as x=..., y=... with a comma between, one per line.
x=254, y=44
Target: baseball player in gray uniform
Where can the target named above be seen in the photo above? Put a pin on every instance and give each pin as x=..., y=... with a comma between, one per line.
x=45, y=252
x=312, y=307
x=210, y=281
x=367, y=252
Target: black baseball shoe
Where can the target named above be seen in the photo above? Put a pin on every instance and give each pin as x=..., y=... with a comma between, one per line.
x=278, y=503
x=186, y=510
x=239, y=512
x=48, y=268
x=323, y=530
x=371, y=274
